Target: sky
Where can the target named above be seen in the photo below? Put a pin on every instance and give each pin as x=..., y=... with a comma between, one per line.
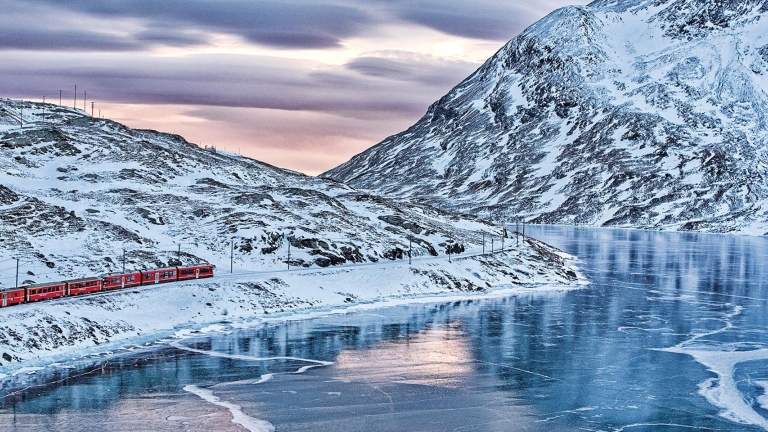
x=301, y=84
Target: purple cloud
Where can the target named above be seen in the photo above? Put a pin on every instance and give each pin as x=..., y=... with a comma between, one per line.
x=285, y=24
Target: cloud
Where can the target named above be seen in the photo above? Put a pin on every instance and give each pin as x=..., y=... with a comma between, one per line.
x=292, y=24
x=246, y=81
x=171, y=37
x=411, y=67
x=359, y=86
x=278, y=23
x=69, y=40
x=479, y=19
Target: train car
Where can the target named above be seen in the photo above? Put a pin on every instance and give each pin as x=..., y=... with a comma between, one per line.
x=78, y=287
x=84, y=286
x=119, y=281
x=156, y=276
x=46, y=291
x=12, y=296
x=195, y=272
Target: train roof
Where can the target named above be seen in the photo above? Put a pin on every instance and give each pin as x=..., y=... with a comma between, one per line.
x=159, y=269
x=89, y=279
x=44, y=284
x=122, y=274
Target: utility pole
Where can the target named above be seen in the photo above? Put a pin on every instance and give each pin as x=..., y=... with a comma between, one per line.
x=491, y=245
x=178, y=254
x=60, y=93
x=85, y=98
x=232, y=257
x=483, y=242
x=17, y=272
x=123, y=260
x=289, y=253
x=502, y=240
x=92, y=108
x=74, y=103
x=410, y=244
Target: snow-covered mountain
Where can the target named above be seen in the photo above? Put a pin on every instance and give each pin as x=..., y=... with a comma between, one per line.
x=76, y=191
x=646, y=113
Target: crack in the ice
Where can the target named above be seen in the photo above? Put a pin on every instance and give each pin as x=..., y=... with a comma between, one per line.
x=238, y=416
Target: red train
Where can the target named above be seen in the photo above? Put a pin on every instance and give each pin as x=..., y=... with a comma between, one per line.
x=78, y=287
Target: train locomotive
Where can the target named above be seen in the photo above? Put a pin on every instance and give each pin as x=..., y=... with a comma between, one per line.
x=79, y=287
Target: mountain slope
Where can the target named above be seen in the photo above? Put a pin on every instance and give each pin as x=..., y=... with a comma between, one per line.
x=76, y=191
x=633, y=113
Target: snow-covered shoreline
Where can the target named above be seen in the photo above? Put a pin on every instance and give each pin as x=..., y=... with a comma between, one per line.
x=40, y=334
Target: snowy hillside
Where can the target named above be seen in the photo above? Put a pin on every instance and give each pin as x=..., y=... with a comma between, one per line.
x=645, y=113
x=75, y=191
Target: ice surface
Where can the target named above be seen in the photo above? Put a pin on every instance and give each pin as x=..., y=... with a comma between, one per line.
x=669, y=335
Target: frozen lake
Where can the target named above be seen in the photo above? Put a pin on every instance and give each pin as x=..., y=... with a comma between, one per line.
x=670, y=336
